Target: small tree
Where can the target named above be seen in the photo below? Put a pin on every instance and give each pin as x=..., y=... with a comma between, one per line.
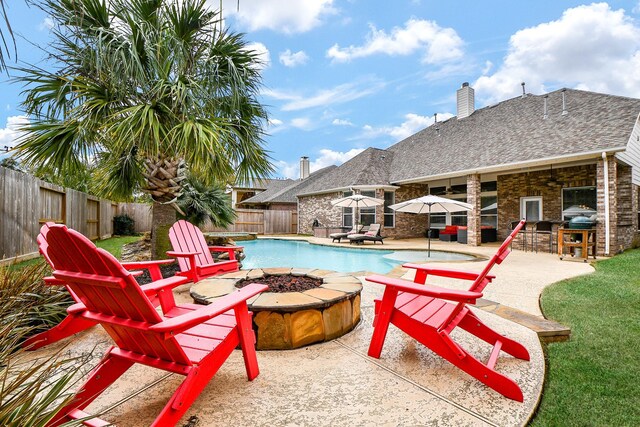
x=144, y=90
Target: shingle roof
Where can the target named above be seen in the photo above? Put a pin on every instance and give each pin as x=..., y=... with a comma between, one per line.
x=286, y=193
x=511, y=131
x=371, y=167
x=514, y=131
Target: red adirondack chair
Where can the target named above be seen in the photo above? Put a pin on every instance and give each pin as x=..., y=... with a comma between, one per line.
x=191, y=340
x=194, y=256
x=74, y=322
x=424, y=313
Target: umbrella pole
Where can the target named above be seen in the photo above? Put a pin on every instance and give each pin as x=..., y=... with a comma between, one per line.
x=429, y=235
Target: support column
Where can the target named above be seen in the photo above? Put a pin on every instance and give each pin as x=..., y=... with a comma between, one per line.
x=613, y=206
x=474, y=237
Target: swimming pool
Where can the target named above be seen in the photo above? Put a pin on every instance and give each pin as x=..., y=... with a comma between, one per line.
x=292, y=253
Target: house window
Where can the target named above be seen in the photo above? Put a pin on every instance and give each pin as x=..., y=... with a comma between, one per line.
x=389, y=214
x=459, y=218
x=489, y=211
x=368, y=215
x=347, y=213
x=531, y=208
x=579, y=201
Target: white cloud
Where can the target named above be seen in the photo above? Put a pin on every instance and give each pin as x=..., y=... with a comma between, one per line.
x=278, y=15
x=327, y=158
x=275, y=122
x=340, y=94
x=412, y=124
x=264, y=56
x=591, y=47
x=341, y=122
x=46, y=24
x=289, y=59
x=303, y=123
x=10, y=134
x=437, y=44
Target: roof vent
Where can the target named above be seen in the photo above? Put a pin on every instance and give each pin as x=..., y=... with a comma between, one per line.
x=524, y=92
x=564, y=104
x=465, y=100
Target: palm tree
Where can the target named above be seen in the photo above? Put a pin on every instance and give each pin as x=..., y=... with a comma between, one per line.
x=4, y=45
x=144, y=90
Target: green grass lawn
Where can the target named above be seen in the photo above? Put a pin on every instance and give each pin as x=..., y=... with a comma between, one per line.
x=594, y=379
x=112, y=245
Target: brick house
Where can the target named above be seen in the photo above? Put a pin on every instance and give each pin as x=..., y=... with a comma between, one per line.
x=540, y=157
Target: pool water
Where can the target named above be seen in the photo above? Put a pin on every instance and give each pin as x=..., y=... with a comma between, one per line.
x=291, y=253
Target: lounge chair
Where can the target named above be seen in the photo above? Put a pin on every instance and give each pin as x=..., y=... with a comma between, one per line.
x=194, y=256
x=372, y=235
x=422, y=312
x=189, y=339
x=74, y=322
x=337, y=236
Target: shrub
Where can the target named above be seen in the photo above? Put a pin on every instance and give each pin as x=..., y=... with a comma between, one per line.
x=31, y=392
x=123, y=225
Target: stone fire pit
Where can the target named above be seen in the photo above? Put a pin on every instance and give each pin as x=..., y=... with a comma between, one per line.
x=289, y=320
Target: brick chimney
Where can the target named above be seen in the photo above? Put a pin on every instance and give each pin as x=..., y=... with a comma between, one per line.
x=304, y=167
x=466, y=101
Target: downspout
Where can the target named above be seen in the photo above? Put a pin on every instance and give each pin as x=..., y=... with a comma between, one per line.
x=607, y=225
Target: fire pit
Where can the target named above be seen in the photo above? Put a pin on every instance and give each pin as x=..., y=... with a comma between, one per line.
x=303, y=306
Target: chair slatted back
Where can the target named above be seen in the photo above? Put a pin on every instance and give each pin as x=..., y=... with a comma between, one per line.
x=43, y=247
x=481, y=282
x=106, y=288
x=186, y=237
x=374, y=230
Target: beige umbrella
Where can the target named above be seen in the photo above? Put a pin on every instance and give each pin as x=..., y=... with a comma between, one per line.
x=431, y=204
x=357, y=201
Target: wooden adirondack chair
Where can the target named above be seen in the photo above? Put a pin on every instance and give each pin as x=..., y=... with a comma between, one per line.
x=194, y=256
x=74, y=322
x=424, y=313
x=191, y=340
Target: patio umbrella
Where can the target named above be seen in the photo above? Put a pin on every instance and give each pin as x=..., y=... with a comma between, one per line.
x=431, y=204
x=357, y=201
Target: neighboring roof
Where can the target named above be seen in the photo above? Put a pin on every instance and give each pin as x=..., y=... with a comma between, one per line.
x=274, y=186
x=510, y=132
x=515, y=131
x=257, y=184
x=371, y=167
x=286, y=193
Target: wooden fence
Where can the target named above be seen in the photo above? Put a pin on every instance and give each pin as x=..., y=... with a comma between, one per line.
x=27, y=202
x=262, y=222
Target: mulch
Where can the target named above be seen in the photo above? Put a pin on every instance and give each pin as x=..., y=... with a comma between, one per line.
x=168, y=270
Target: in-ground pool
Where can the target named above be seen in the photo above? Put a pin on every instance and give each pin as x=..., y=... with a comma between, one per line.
x=263, y=253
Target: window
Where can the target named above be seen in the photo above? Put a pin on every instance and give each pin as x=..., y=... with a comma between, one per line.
x=389, y=214
x=368, y=215
x=347, y=213
x=579, y=201
x=488, y=186
x=489, y=211
x=459, y=218
x=438, y=191
x=531, y=208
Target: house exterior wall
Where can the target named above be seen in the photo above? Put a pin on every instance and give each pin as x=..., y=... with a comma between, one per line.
x=627, y=204
x=318, y=207
x=406, y=225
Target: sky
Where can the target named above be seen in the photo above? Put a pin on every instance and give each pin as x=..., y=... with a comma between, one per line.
x=343, y=75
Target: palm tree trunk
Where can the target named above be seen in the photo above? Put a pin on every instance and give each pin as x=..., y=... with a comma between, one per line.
x=163, y=217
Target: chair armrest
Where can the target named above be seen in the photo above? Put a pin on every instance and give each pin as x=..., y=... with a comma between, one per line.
x=152, y=289
x=231, y=250
x=177, y=324
x=52, y=281
x=428, y=290
x=447, y=272
x=152, y=266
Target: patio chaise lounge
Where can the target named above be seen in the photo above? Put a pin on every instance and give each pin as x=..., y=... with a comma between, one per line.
x=188, y=339
x=423, y=312
x=372, y=235
x=337, y=236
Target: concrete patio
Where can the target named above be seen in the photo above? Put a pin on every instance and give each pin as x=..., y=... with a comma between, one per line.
x=337, y=384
